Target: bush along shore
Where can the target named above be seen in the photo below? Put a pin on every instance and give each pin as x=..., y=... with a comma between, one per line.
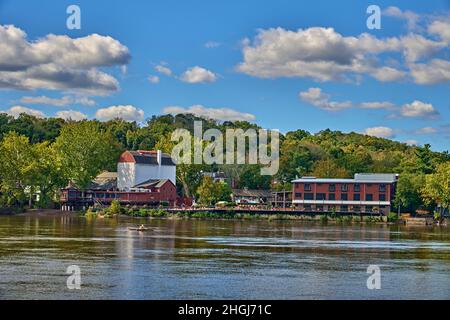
x=116, y=210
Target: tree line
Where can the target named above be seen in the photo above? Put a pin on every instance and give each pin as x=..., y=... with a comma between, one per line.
x=41, y=155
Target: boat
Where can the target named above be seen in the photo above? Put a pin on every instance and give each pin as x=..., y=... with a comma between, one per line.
x=138, y=229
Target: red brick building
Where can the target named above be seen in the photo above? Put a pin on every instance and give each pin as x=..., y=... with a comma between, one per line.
x=366, y=193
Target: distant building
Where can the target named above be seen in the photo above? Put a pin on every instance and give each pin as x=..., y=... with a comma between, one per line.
x=282, y=199
x=142, y=178
x=135, y=167
x=367, y=192
x=251, y=197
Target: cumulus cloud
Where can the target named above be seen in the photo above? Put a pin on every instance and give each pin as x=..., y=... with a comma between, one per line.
x=127, y=113
x=436, y=71
x=224, y=114
x=58, y=62
x=153, y=79
x=57, y=102
x=71, y=115
x=163, y=70
x=412, y=18
x=319, y=99
x=426, y=130
x=419, y=109
x=441, y=29
x=198, y=75
x=380, y=132
x=16, y=111
x=324, y=54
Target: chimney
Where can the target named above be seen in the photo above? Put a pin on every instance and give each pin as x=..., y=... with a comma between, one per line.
x=159, y=156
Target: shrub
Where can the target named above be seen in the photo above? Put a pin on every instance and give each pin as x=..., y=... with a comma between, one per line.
x=115, y=208
x=392, y=217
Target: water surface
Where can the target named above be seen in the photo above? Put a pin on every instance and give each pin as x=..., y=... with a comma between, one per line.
x=217, y=259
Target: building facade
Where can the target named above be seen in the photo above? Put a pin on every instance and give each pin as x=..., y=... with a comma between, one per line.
x=135, y=167
x=366, y=193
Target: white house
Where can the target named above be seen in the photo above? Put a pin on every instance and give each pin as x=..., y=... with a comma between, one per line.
x=135, y=167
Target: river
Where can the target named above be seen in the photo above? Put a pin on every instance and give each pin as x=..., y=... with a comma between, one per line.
x=217, y=259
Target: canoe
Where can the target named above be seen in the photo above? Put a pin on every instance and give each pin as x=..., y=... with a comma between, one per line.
x=139, y=229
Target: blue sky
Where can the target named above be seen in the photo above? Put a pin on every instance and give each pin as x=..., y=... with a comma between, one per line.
x=276, y=63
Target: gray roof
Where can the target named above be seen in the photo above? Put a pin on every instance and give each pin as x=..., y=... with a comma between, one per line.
x=152, y=158
x=252, y=193
x=359, y=178
x=157, y=183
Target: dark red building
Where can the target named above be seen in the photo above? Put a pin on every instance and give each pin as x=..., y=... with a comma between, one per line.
x=366, y=193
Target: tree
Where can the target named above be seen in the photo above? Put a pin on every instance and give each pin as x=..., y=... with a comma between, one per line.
x=84, y=151
x=16, y=168
x=408, y=191
x=328, y=169
x=210, y=192
x=437, y=188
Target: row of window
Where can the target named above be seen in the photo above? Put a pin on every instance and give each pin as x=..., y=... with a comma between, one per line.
x=332, y=196
x=345, y=187
x=343, y=208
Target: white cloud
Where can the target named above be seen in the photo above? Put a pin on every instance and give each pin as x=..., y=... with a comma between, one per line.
x=426, y=130
x=16, y=111
x=153, y=79
x=71, y=115
x=419, y=109
x=57, y=102
x=440, y=28
x=411, y=17
x=324, y=54
x=224, y=114
x=212, y=44
x=381, y=132
x=198, y=75
x=436, y=71
x=59, y=62
x=164, y=70
x=377, y=105
x=412, y=142
x=127, y=113
x=318, y=98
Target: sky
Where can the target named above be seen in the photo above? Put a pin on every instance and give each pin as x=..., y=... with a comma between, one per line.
x=284, y=65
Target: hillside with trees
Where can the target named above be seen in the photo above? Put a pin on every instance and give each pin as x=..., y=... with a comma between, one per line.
x=43, y=154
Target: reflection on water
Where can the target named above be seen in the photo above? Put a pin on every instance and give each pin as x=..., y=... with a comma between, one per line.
x=219, y=259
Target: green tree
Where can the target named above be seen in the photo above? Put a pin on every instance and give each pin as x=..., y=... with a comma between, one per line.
x=16, y=168
x=84, y=151
x=408, y=191
x=210, y=192
x=437, y=188
x=328, y=169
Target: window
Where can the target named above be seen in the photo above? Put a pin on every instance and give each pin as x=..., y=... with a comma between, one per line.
x=307, y=207
x=307, y=187
x=344, y=187
x=320, y=196
x=344, y=196
x=309, y=196
x=319, y=208
x=357, y=208
x=357, y=197
x=331, y=196
x=382, y=197
x=382, y=188
x=344, y=208
x=357, y=187
x=332, y=187
x=369, y=208
x=298, y=195
x=369, y=197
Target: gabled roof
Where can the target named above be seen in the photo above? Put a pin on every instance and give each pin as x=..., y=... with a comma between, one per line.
x=156, y=183
x=251, y=193
x=104, y=181
x=146, y=157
